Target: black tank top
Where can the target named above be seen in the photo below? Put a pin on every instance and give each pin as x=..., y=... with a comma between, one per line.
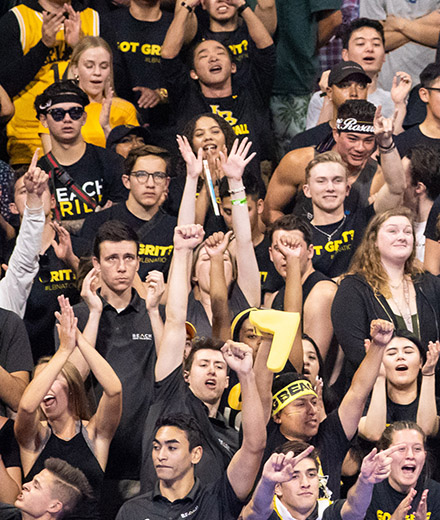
x=77, y=453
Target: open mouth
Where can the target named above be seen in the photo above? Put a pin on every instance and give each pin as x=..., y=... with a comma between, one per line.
x=215, y=69
x=49, y=399
x=401, y=368
x=209, y=147
x=409, y=469
x=210, y=383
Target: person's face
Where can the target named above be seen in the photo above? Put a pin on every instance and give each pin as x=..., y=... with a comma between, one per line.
x=212, y=63
x=432, y=99
x=299, y=419
x=209, y=136
x=36, y=498
x=408, y=461
x=395, y=240
x=56, y=401
x=20, y=194
x=247, y=335
x=172, y=458
x=300, y=493
x=255, y=208
x=327, y=186
x=311, y=362
x=127, y=143
x=402, y=362
x=354, y=148
x=117, y=264
x=277, y=257
x=147, y=192
x=350, y=88
x=207, y=376
x=93, y=70
x=366, y=48
x=203, y=267
x=68, y=129
x=219, y=10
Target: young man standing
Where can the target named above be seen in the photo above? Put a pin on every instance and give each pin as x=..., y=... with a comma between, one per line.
x=147, y=179
x=51, y=495
x=82, y=175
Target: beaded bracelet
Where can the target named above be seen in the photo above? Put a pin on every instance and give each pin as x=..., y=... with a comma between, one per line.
x=239, y=202
x=236, y=190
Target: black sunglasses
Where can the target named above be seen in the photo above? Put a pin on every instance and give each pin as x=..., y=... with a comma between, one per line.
x=58, y=114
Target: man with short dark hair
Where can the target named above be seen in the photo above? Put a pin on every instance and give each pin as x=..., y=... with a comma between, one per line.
x=83, y=175
x=124, y=138
x=51, y=495
x=146, y=178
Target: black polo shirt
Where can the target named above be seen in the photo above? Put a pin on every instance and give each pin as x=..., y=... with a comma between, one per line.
x=220, y=442
x=216, y=501
x=125, y=340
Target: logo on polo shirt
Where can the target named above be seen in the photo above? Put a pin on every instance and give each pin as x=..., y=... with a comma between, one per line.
x=189, y=513
x=145, y=337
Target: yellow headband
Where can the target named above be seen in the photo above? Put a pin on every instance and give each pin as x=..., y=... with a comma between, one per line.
x=290, y=393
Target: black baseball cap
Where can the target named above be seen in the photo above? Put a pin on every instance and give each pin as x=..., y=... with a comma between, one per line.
x=344, y=69
x=119, y=132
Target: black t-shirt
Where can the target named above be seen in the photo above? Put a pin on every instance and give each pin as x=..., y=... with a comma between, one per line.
x=246, y=110
x=311, y=137
x=15, y=350
x=335, y=244
x=270, y=280
x=386, y=499
x=331, y=512
x=155, y=235
x=216, y=501
x=220, y=442
x=125, y=340
x=137, y=46
x=8, y=512
x=431, y=226
x=9, y=450
x=414, y=137
x=330, y=441
x=98, y=173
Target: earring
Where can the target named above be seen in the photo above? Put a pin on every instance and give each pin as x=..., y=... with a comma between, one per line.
x=76, y=77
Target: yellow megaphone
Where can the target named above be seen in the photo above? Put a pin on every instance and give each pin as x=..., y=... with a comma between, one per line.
x=283, y=325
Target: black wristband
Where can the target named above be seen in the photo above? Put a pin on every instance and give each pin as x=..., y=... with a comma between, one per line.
x=184, y=4
x=242, y=8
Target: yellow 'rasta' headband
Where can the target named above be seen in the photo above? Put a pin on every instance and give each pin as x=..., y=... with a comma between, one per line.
x=290, y=393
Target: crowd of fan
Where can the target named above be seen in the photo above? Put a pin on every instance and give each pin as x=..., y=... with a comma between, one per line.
x=220, y=249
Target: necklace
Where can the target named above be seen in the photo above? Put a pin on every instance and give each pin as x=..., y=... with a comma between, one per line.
x=330, y=235
x=396, y=286
x=406, y=314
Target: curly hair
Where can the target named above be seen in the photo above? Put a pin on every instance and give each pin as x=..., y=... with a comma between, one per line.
x=367, y=260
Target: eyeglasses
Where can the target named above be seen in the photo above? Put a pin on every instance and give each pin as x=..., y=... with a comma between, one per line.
x=432, y=88
x=143, y=176
x=58, y=114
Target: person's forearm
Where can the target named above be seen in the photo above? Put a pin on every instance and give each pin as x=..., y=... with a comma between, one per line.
x=267, y=12
x=394, y=40
x=11, y=389
x=187, y=210
x=432, y=257
x=401, y=113
x=327, y=27
x=358, y=500
x=374, y=423
x=157, y=326
x=253, y=423
x=366, y=375
x=9, y=489
x=175, y=36
x=261, y=505
x=423, y=30
x=218, y=292
x=427, y=416
x=256, y=28
x=264, y=376
x=393, y=172
x=293, y=303
x=6, y=106
x=326, y=111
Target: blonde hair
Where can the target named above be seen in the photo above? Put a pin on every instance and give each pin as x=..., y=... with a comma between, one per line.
x=86, y=43
x=367, y=260
x=326, y=157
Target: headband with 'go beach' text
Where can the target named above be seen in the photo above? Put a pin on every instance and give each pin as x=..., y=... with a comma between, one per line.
x=290, y=393
x=351, y=124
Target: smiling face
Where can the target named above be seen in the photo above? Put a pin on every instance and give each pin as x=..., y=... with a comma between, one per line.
x=207, y=376
x=36, y=498
x=327, y=186
x=172, y=458
x=408, y=461
x=300, y=493
x=209, y=136
x=395, y=240
x=93, y=70
x=402, y=362
x=354, y=148
x=299, y=419
x=366, y=48
x=219, y=10
x=212, y=64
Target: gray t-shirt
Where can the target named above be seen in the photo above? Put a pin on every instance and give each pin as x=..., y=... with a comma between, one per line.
x=411, y=57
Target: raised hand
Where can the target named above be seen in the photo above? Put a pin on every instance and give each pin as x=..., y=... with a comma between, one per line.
x=72, y=26
x=422, y=508
x=66, y=325
x=403, y=508
x=401, y=87
x=280, y=466
x=217, y=243
x=384, y=128
x=431, y=358
x=88, y=291
x=289, y=246
x=381, y=332
x=188, y=237
x=376, y=467
x=63, y=248
x=148, y=99
x=238, y=356
x=52, y=23
x=233, y=166
x=194, y=164
x=104, y=116
x=35, y=179
x=154, y=288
